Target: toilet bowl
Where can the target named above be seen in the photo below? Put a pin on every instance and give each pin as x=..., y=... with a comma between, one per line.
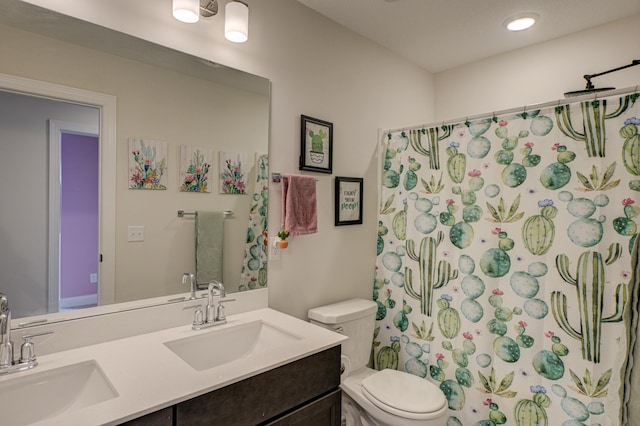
x=370, y=397
x=393, y=398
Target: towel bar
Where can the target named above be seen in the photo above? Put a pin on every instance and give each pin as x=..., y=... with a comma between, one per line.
x=182, y=213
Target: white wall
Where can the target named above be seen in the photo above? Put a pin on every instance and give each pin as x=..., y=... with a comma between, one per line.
x=317, y=68
x=540, y=73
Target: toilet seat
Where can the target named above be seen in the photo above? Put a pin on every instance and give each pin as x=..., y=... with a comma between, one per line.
x=403, y=394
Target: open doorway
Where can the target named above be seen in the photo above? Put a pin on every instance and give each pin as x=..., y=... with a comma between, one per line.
x=78, y=149
x=26, y=245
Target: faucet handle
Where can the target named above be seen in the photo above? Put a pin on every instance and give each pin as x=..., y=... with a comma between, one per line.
x=198, y=316
x=27, y=349
x=220, y=314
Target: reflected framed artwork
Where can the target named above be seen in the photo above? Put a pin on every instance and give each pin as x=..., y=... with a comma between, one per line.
x=348, y=201
x=316, y=145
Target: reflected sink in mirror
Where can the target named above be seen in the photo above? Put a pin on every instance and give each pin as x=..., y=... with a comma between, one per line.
x=36, y=397
x=217, y=347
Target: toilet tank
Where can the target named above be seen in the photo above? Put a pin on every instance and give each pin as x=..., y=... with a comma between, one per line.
x=354, y=318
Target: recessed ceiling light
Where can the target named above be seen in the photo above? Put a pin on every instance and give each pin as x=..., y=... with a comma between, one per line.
x=521, y=22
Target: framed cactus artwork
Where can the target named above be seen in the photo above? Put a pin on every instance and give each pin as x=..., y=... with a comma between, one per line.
x=348, y=201
x=316, y=148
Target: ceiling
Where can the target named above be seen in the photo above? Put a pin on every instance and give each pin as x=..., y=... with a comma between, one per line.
x=442, y=34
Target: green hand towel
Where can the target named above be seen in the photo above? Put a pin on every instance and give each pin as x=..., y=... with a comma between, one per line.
x=209, y=242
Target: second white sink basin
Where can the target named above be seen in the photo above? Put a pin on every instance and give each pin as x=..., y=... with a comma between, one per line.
x=216, y=347
x=39, y=396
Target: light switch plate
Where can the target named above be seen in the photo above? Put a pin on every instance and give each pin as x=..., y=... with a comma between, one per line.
x=135, y=233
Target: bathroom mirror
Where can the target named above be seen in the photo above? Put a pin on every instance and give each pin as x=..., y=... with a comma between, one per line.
x=178, y=105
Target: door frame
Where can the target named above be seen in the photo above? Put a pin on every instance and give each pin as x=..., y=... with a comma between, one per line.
x=106, y=105
x=56, y=129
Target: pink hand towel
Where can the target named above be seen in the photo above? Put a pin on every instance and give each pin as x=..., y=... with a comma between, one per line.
x=299, y=206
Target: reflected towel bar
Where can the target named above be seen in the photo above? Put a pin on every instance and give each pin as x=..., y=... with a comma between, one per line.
x=182, y=213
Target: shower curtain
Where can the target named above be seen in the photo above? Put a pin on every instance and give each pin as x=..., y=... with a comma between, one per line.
x=507, y=262
x=254, y=263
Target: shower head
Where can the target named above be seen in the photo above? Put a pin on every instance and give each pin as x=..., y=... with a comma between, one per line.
x=586, y=91
x=590, y=88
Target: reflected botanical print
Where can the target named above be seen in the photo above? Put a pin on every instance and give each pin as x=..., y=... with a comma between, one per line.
x=147, y=164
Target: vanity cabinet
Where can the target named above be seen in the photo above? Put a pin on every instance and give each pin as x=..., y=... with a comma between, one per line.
x=304, y=392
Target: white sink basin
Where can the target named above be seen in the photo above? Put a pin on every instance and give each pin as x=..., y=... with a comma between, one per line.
x=220, y=346
x=39, y=396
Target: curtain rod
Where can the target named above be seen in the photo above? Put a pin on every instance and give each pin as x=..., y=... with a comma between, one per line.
x=521, y=109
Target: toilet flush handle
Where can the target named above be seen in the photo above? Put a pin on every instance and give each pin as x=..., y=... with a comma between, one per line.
x=338, y=330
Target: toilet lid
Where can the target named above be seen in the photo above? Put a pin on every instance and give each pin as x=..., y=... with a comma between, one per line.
x=397, y=390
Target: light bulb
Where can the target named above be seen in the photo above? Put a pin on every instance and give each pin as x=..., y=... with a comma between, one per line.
x=236, y=22
x=186, y=10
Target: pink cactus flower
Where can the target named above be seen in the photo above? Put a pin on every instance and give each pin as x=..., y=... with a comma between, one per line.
x=496, y=231
x=502, y=123
x=488, y=401
x=555, y=146
x=522, y=323
x=439, y=356
x=450, y=201
x=549, y=334
x=467, y=335
x=628, y=202
x=474, y=173
x=529, y=144
x=498, y=292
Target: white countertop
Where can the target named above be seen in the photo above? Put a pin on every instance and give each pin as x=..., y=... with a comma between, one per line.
x=148, y=376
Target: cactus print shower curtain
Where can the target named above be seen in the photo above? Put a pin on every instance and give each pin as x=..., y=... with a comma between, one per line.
x=507, y=258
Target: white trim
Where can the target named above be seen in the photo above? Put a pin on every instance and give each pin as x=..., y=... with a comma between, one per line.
x=107, y=106
x=78, y=302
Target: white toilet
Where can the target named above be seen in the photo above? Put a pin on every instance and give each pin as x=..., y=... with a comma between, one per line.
x=370, y=397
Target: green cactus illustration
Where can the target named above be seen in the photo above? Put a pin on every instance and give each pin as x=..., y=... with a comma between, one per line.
x=387, y=207
x=539, y=231
x=461, y=233
x=589, y=281
x=631, y=146
x=576, y=409
x=501, y=215
x=422, y=333
x=531, y=412
x=594, y=114
x=390, y=177
x=317, y=141
x=431, y=186
x=415, y=365
x=478, y=146
x=400, y=319
x=506, y=348
x=558, y=174
x=526, y=285
x=492, y=386
x=457, y=163
x=388, y=355
x=587, y=387
x=382, y=231
x=495, y=262
x=448, y=318
x=547, y=363
x=425, y=222
x=433, y=135
x=626, y=226
x=433, y=274
x=379, y=284
x=410, y=178
x=399, y=223
x=585, y=231
x=597, y=182
x=514, y=174
x=496, y=417
x=460, y=357
x=473, y=287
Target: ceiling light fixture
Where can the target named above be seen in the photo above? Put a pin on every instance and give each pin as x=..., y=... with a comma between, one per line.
x=521, y=22
x=236, y=22
x=186, y=10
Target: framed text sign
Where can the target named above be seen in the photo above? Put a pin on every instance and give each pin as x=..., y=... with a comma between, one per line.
x=348, y=201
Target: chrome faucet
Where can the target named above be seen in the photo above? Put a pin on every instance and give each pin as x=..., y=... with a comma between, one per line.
x=188, y=276
x=27, y=358
x=214, y=313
